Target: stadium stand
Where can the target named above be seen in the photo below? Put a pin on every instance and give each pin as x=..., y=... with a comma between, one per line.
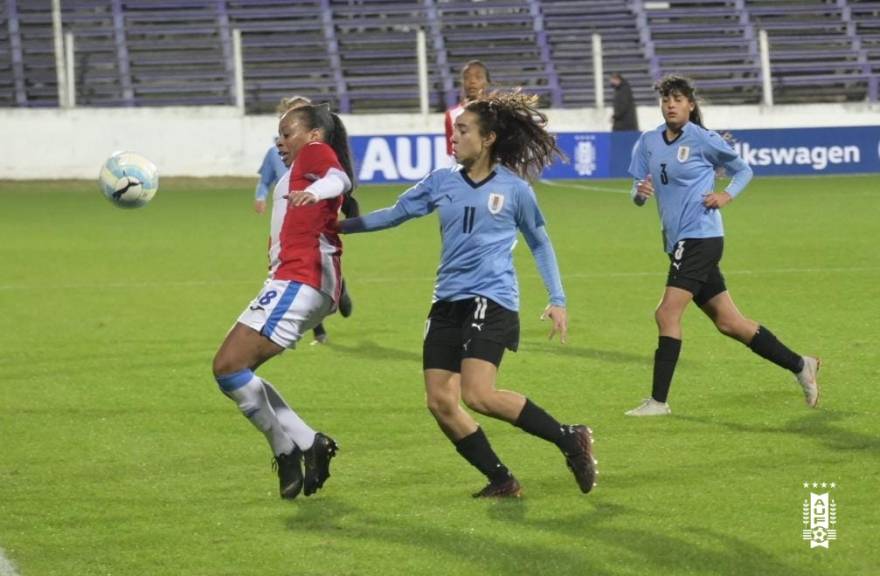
x=815, y=51
x=360, y=54
x=569, y=25
x=712, y=42
x=505, y=34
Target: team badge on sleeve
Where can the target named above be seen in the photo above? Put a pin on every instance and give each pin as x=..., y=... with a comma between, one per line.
x=496, y=203
x=684, y=153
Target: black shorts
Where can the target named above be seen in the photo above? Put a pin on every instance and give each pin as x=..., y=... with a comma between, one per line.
x=694, y=267
x=472, y=328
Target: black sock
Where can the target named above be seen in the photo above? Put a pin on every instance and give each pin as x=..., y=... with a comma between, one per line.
x=665, y=359
x=534, y=420
x=475, y=449
x=765, y=345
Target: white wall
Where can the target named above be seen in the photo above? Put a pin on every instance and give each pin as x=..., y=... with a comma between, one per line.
x=220, y=141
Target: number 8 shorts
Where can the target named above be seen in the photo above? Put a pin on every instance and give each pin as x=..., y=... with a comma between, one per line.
x=285, y=310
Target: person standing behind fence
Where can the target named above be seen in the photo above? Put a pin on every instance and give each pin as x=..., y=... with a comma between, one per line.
x=625, y=118
x=475, y=81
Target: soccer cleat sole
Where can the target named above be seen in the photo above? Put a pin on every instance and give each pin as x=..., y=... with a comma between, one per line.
x=584, y=465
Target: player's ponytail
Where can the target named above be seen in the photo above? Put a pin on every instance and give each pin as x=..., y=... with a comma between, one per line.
x=337, y=138
x=522, y=142
x=674, y=84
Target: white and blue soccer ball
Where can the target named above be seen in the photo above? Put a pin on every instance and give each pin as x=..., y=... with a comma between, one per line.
x=128, y=179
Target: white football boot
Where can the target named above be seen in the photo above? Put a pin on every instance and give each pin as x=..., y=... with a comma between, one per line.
x=650, y=407
x=807, y=378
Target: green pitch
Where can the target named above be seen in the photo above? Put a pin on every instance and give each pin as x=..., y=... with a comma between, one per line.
x=119, y=456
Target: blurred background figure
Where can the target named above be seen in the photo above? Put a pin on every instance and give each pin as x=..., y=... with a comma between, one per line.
x=624, y=118
x=475, y=81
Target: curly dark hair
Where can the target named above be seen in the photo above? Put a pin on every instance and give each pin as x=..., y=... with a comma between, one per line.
x=522, y=142
x=675, y=84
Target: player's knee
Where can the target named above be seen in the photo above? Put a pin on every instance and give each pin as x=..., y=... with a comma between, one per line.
x=477, y=401
x=217, y=367
x=441, y=406
x=665, y=316
x=223, y=365
x=726, y=327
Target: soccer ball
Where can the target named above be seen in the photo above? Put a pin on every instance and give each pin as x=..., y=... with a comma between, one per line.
x=128, y=179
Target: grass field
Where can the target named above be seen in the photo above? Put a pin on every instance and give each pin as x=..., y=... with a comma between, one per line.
x=118, y=456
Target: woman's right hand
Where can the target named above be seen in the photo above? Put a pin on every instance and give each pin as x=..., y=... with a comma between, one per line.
x=645, y=188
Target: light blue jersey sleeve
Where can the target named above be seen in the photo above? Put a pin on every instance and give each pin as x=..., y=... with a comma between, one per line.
x=638, y=168
x=416, y=202
x=270, y=171
x=720, y=153
x=531, y=223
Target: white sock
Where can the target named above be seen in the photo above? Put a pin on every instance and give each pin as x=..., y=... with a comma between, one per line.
x=247, y=390
x=303, y=434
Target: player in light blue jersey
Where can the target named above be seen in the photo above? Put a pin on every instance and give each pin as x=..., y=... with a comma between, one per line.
x=271, y=170
x=498, y=140
x=676, y=164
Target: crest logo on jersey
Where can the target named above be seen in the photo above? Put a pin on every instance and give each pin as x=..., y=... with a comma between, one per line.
x=496, y=203
x=684, y=152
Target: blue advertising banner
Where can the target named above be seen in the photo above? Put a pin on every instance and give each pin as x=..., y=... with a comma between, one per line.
x=408, y=158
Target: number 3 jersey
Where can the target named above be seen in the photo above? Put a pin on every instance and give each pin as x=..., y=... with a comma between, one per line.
x=683, y=172
x=478, y=225
x=310, y=249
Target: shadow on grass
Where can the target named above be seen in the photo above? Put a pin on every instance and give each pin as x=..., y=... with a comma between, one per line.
x=818, y=425
x=373, y=351
x=585, y=542
x=614, y=356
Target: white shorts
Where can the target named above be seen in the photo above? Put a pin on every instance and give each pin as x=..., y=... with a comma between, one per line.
x=285, y=310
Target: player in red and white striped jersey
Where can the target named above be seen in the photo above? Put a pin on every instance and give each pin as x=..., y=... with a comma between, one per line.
x=271, y=173
x=303, y=288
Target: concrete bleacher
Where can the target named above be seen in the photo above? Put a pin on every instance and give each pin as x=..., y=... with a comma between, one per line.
x=285, y=51
x=7, y=77
x=360, y=55
x=726, y=66
x=865, y=18
x=376, y=40
x=814, y=50
x=569, y=25
x=32, y=53
x=504, y=35
x=184, y=44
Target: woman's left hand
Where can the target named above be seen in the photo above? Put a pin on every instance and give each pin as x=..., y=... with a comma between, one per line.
x=560, y=321
x=717, y=199
x=301, y=198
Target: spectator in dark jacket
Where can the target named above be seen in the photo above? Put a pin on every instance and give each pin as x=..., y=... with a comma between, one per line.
x=624, y=105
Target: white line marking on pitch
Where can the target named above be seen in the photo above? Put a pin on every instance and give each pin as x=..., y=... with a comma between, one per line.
x=586, y=187
x=393, y=279
x=6, y=566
